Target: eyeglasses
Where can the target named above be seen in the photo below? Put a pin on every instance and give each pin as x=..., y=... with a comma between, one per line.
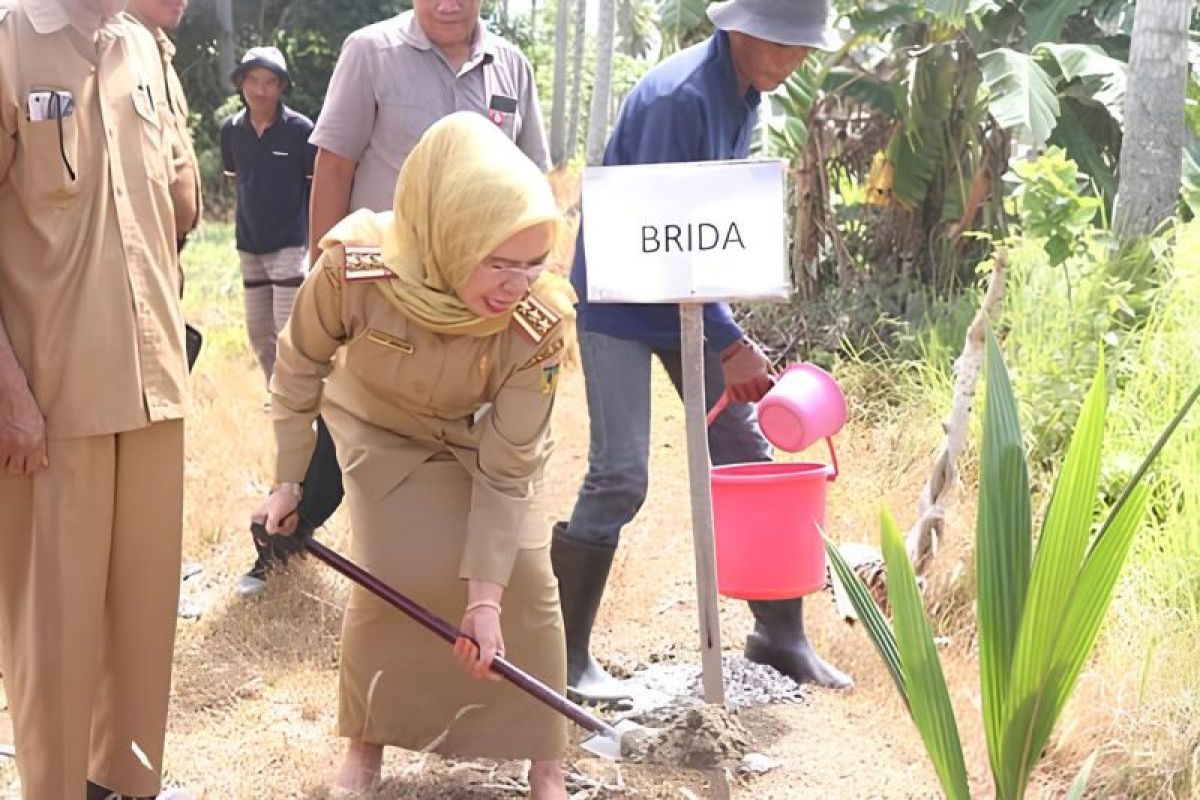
x=528, y=274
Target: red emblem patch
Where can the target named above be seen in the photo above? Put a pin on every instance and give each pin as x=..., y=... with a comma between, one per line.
x=496, y=116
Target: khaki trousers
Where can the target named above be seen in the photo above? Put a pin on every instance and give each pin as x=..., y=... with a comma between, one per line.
x=89, y=588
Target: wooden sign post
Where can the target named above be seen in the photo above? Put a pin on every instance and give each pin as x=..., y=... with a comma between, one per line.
x=689, y=234
x=691, y=324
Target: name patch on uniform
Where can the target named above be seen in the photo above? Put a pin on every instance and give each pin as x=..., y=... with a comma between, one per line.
x=503, y=104
x=388, y=340
x=365, y=264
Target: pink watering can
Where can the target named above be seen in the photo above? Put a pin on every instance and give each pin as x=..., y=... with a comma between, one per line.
x=769, y=516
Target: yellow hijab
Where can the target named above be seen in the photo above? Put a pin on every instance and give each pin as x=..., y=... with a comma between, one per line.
x=464, y=189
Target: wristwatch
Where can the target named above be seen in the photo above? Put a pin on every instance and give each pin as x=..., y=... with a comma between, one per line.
x=296, y=489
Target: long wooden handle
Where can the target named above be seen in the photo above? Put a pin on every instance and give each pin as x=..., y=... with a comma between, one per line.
x=506, y=669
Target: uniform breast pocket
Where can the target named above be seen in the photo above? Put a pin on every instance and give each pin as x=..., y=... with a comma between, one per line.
x=47, y=167
x=513, y=125
x=153, y=130
x=405, y=123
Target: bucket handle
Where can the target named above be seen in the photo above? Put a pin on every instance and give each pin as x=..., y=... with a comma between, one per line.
x=723, y=402
x=833, y=476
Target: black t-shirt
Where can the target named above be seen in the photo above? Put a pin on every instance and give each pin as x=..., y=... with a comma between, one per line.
x=273, y=177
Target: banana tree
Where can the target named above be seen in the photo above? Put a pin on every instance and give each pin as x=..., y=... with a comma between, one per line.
x=1040, y=609
x=957, y=83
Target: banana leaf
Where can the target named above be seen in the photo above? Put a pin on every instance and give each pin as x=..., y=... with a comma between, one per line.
x=1019, y=93
x=1044, y=19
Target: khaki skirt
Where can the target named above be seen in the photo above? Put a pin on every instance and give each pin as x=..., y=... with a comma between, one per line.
x=399, y=683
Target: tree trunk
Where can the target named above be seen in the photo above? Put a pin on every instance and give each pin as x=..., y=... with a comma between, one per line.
x=558, y=112
x=1152, y=151
x=602, y=89
x=579, y=42
x=226, y=58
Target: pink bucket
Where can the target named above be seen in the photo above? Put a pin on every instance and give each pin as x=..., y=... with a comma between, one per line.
x=768, y=519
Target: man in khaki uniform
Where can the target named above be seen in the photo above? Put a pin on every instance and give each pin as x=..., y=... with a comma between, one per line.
x=92, y=391
x=160, y=16
x=393, y=80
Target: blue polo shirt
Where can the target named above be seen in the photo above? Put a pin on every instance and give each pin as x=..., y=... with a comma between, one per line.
x=688, y=108
x=274, y=174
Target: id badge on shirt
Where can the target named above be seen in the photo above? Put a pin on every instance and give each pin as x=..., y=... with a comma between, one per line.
x=502, y=110
x=46, y=104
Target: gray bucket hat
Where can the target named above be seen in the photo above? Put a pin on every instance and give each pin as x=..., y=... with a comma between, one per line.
x=261, y=57
x=801, y=23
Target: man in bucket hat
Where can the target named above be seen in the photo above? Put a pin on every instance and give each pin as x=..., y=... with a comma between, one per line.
x=265, y=148
x=699, y=105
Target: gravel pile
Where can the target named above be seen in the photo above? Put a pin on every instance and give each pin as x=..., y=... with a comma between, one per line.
x=662, y=690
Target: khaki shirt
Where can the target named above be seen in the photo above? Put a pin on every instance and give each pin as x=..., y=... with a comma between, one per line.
x=88, y=278
x=390, y=84
x=486, y=401
x=185, y=177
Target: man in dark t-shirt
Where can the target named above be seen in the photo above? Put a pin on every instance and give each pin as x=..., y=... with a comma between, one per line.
x=265, y=148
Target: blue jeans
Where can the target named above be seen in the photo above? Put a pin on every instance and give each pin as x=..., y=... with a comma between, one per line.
x=617, y=376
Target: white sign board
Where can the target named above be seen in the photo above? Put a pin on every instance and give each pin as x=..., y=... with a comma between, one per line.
x=680, y=233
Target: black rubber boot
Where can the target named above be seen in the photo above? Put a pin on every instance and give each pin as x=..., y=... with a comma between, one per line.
x=778, y=641
x=582, y=571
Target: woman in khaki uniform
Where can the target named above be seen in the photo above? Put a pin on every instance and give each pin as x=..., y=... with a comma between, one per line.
x=448, y=337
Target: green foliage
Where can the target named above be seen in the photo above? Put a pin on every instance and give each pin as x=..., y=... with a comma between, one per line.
x=788, y=133
x=1051, y=206
x=1102, y=78
x=1020, y=93
x=637, y=30
x=916, y=150
x=682, y=23
x=1044, y=19
x=1040, y=611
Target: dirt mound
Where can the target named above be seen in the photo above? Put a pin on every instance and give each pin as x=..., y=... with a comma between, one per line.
x=703, y=737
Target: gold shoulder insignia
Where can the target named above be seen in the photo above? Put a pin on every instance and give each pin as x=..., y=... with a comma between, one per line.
x=535, y=318
x=552, y=351
x=365, y=264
